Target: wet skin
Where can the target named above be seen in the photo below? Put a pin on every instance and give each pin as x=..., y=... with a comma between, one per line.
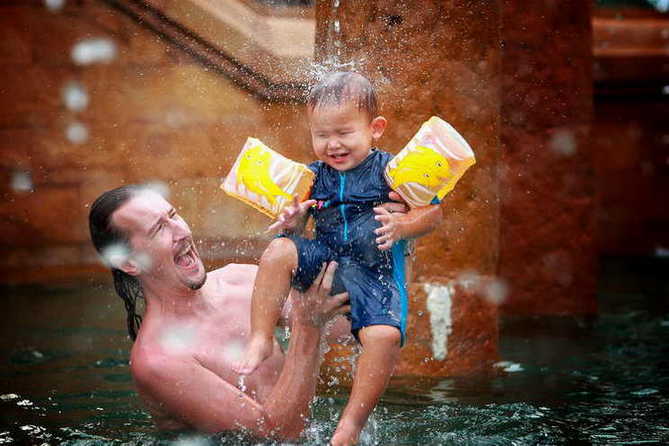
x=196, y=326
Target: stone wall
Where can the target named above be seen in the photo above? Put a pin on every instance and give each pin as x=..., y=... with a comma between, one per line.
x=153, y=114
x=547, y=243
x=631, y=149
x=435, y=58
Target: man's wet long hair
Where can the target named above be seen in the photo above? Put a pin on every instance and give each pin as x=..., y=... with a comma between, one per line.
x=104, y=236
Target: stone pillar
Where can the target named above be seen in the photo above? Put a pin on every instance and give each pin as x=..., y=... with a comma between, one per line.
x=430, y=57
x=547, y=250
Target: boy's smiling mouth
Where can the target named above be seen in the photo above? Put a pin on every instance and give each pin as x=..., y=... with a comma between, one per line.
x=339, y=157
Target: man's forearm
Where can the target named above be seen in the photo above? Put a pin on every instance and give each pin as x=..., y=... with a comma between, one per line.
x=420, y=221
x=287, y=407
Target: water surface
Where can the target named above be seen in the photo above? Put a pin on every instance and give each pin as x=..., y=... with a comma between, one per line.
x=64, y=376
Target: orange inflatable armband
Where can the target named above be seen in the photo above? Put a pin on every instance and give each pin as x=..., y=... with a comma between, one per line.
x=430, y=164
x=266, y=180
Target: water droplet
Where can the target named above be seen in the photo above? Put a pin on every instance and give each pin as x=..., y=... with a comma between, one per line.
x=54, y=5
x=75, y=96
x=158, y=187
x=563, y=142
x=95, y=50
x=22, y=181
x=115, y=255
x=496, y=291
x=77, y=133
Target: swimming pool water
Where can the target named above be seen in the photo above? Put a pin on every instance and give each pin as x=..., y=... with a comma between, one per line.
x=602, y=380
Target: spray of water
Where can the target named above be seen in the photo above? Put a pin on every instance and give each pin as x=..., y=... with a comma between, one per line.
x=76, y=133
x=115, y=255
x=74, y=96
x=563, y=142
x=177, y=338
x=157, y=187
x=22, y=181
x=95, y=50
x=54, y=5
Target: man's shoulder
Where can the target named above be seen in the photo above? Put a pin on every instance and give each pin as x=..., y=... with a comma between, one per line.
x=234, y=274
x=149, y=363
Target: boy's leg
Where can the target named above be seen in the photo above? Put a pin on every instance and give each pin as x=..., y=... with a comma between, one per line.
x=270, y=290
x=381, y=348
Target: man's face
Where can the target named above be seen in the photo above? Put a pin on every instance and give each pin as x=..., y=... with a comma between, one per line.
x=341, y=135
x=161, y=241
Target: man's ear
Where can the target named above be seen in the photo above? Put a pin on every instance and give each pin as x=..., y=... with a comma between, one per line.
x=126, y=264
x=378, y=125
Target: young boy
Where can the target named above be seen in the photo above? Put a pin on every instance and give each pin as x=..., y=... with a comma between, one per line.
x=354, y=230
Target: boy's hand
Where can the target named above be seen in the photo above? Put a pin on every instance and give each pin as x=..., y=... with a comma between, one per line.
x=388, y=233
x=291, y=216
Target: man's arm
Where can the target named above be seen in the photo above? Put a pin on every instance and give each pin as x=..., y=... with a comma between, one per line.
x=396, y=226
x=208, y=403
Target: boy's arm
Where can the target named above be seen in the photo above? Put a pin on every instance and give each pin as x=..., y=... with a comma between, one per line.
x=397, y=226
x=293, y=218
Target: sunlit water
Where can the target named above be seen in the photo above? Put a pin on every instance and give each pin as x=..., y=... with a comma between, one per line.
x=65, y=380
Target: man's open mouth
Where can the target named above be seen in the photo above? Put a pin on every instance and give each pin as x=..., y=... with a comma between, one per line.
x=186, y=257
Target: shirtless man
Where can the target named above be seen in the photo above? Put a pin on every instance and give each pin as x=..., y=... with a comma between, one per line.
x=195, y=325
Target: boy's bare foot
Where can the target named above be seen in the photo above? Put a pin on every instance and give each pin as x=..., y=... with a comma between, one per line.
x=257, y=351
x=345, y=436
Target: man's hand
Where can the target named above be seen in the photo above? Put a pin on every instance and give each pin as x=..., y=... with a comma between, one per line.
x=389, y=232
x=396, y=205
x=292, y=216
x=315, y=307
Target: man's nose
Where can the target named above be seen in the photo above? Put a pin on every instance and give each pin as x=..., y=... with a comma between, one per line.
x=180, y=229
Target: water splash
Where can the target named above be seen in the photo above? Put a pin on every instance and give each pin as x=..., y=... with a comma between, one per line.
x=95, y=50
x=496, y=291
x=115, y=255
x=21, y=181
x=563, y=142
x=158, y=187
x=241, y=383
x=195, y=440
x=660, y=5
x=233, y=351
x=509, y=367
x=75, y=96
x=76, y=133
x=54, y=5
x=177, y=338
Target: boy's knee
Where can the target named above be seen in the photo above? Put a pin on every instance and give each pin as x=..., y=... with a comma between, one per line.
x=381, y=334
x=280, y=250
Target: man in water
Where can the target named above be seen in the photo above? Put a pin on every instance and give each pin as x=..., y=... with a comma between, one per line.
x=196, y=324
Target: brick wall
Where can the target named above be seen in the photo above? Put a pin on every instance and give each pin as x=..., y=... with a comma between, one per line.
x=153, y=114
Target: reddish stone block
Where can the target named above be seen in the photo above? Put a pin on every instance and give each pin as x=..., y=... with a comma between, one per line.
x=547, y=251
x=32, y=94
x=15, y=46
x=452, y=331
x=32, y=223
x=411, y=52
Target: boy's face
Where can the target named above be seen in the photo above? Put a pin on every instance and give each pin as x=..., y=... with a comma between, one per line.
x=342, y=135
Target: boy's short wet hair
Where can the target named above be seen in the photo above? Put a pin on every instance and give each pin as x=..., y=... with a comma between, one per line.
x=342, y=86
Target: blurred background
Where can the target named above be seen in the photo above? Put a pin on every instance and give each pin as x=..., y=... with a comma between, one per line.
x=563, y=221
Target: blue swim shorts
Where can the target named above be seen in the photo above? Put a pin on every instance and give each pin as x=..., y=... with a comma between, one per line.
x=377, y=293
